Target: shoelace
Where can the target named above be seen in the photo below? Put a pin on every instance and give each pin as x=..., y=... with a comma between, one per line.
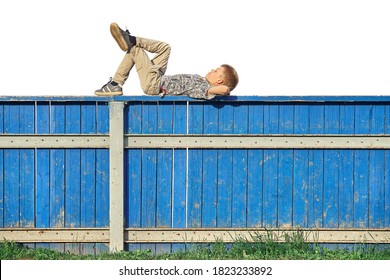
x=107, y=82
x=127, y=30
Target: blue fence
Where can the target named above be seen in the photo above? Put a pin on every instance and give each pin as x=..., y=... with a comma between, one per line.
x=192, y=170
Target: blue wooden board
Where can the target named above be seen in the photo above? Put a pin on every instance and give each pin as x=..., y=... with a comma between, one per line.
x=210, y=170
x=286, y=169
x=88, y=125
x=361, y=176
x=194, y=169
x=255, y=169
x=225, y=170
x=239, y=170
x=133, y=180
x=301, y=187
x=316, y=169
x=346, y=170
x=270, y=168
x=376, y=170
x=331, y=170
x=387, y=173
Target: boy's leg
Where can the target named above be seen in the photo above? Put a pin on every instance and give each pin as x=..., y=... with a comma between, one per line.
x=149, y=71
x=161, y=49
x=123, y=71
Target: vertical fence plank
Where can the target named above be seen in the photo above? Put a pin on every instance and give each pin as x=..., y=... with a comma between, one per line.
x=210, y=169
x=27, y=167
x=164, y=167
x=42, y=188
x=180, y=168
x=57, y=164
x=57, y=176
x=195, y=168
x=270, y=166
x=179, y=191
x=240, y=169
x=302, y=164
x=72, y=169
x=361, y=176
x=347, y=116
x=225, y=170
x=301, y=170
x=11, y=187
x=102, y=174
x=72, y=174
x=331, y=169
x=88, y=174
x=285, y=169
x=316, y=168
x=11, y=118
x=179, y=195
x=149, y=171
x=387, y=171
x=255, y=168
x=164, y=173
x=376, y=170
x=11, y=168
x=133, y=171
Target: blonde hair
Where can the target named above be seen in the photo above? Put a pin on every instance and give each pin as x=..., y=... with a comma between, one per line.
x=231, y=76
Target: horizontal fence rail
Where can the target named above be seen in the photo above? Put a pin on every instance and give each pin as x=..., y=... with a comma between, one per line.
x=228, y=141
x=196, y=235
x=81, y=174
x=16, y=141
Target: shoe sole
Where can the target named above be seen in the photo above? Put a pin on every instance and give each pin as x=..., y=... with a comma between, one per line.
x=117, y=34
x=108, y=93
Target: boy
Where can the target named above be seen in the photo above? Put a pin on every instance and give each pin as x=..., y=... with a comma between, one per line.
x=219, y=81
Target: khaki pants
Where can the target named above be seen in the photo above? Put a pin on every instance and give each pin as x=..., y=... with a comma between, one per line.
x=149, y=71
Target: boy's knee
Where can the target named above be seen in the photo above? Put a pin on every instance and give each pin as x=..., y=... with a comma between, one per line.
x=167, y=48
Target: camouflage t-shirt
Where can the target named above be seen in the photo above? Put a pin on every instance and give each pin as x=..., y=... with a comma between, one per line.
x=194, y=86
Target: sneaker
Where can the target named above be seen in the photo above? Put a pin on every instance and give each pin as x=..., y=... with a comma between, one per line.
x=121, y=37
x=109, y=90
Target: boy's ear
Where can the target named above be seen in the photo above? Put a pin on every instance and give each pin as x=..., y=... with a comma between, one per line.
x=220, y=81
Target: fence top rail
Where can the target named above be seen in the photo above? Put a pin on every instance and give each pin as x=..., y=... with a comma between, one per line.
x=232, y=98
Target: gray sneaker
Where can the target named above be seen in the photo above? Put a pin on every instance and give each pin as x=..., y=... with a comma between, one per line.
x=109, y=90
x=121, y=37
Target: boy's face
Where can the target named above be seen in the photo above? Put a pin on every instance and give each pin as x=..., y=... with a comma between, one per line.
x=216, y=76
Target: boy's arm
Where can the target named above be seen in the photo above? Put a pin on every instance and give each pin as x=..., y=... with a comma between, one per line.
x=219, y=90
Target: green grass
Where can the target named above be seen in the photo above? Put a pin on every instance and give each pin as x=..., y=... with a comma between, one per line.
x=262, y=248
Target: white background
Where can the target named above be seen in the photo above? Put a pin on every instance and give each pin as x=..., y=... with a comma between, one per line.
x=279, y=47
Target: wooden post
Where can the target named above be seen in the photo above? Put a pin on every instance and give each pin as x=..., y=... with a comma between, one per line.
x=116, y=177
